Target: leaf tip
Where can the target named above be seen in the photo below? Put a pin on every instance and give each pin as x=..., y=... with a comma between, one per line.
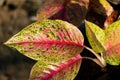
x=5, y=43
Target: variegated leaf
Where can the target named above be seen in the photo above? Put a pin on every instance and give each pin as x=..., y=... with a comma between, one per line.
x=112, y=34
x=48, y=40
x=56, y=71
x=96, y=36
x=49, y=8
x=112, y=43
x=112, y=55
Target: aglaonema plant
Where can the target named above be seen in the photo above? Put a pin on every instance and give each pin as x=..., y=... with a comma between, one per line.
x=56, y=44
x=106, y=42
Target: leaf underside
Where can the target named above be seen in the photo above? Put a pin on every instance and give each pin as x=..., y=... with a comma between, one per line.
x=73, y=11
x=48, y=41
x=53, y=71
x=49, y=8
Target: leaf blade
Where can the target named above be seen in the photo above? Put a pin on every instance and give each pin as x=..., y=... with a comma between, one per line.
x=112, y=43
x=112, y=34
x=65, y=70
x=42, y=40
x=49, y=8
x=112, y=55
x=96, y=37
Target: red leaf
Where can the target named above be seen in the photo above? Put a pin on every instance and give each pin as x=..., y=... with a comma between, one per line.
x=50, y=41
x=112, y=55
x=112, y=43
x=49, y=8
x=48, y=37
x=63, y=71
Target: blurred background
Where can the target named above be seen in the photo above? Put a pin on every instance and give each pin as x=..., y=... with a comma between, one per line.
x=14, y=16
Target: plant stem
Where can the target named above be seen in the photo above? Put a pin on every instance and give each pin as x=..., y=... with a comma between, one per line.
x=95, y=60
x=100, y=59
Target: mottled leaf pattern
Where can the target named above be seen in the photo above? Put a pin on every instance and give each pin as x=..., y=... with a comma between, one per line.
x=109, y=38
x=49, y=42
x=49, y=8
x=56, y=71
x=112, y=34
x=112, y=43
x=48, y=38
x=96, y=37
x=112, y=55
x=111, y=18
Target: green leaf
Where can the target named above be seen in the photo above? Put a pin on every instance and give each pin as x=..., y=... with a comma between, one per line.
x=66, y=70
x=112, y=43
x=112, y=34
x=48, y=39
x=96, y=36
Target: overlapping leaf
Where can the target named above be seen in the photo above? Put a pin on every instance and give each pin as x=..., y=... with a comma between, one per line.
x=108, y=8
x=48, y=41
x=101, y=7
x=109, y=39
x=96, y=37
x=49, y=8
x=48, y=38
x=73, y=11
x=51, y=71
x=112, y=43
x=112, y=55
x=112, y=34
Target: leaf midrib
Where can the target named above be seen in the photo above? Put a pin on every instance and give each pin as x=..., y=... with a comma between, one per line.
x=62, y=42
x=62, y=67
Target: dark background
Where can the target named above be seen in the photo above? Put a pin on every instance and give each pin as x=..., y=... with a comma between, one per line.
x=17, y=14
x=14, y=16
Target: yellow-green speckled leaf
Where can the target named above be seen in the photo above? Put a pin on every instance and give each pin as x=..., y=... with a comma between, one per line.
x=112, y=43
x=56, y=71
x=96, y=36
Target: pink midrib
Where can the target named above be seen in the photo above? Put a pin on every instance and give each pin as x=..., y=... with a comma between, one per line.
x=63, y=66
x=80, y=43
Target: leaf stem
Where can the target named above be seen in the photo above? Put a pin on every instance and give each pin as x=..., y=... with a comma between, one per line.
x=100, y=58
x=94, y=60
